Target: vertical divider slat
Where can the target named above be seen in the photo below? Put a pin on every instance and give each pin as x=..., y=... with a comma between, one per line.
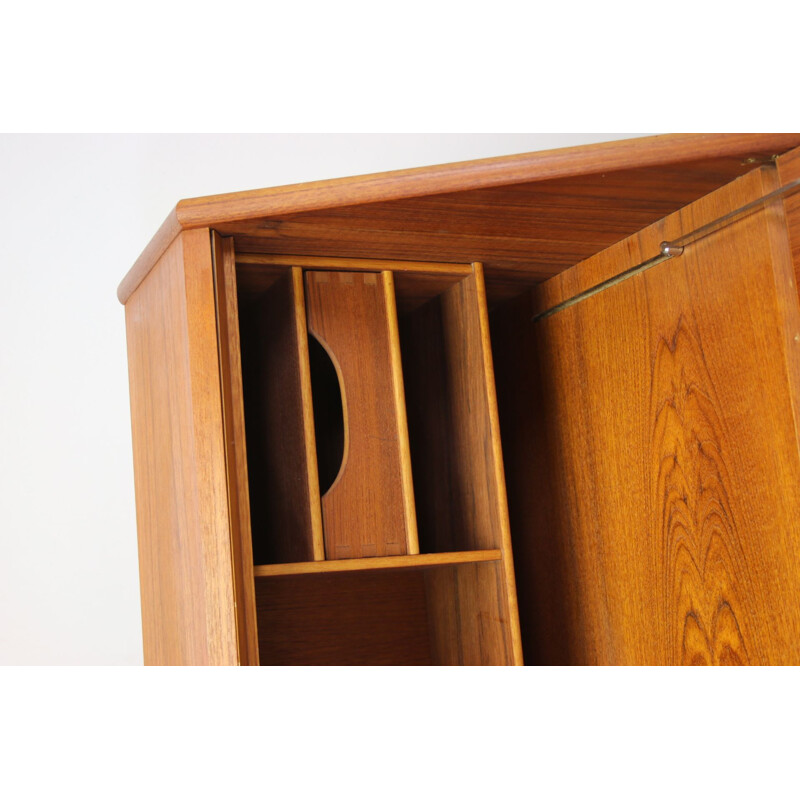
x=235, y=448
x=309, y=435
x=499, y=479
x=412, y=537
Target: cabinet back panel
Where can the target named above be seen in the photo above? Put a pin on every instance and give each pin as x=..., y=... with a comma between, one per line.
x=375, y=618
x=651, y=450
x=435, y=615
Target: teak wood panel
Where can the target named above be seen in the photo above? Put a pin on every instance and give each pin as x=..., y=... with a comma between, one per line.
x=369, y=509
x=652, y=450
x=523, y=233
x=432, y=615
x=236, y=454
x=339, y=619
x=185, y=564
x=469, y=620
x=683, y=166
x=281, y=452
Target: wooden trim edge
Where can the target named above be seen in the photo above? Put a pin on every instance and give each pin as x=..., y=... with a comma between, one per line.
x=164, y=237
x=377, y=563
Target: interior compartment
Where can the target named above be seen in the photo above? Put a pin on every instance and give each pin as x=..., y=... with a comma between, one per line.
x=281, y=452
x=448, y=389
x=446, y=398
x=418, y=616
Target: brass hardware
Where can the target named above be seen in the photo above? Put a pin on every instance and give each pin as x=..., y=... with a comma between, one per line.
x=672, y=249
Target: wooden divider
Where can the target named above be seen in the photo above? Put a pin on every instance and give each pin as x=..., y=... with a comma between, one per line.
x=369, y=509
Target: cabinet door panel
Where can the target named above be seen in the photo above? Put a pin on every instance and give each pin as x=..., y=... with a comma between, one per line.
x=654, y=477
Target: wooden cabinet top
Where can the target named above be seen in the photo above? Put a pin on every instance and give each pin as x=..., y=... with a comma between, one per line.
x=526, y=217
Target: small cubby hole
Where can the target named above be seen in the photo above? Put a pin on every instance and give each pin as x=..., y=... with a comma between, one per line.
x=445, y=384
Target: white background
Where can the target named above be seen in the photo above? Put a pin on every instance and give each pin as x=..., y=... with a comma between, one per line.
x=77, y=211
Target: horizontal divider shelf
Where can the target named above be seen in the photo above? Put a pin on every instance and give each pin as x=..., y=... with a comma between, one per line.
x=354, y=264
x=382, y=562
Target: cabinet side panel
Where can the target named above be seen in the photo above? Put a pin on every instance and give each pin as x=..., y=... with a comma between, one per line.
x=656, y=507
x=179, y=461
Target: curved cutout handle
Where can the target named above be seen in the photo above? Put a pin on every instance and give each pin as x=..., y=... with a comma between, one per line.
x=330, y=414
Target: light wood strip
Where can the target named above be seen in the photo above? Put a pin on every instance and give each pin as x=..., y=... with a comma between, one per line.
x=236, y=453
x=354, y=264
x=312, y=472
x=481, y=173
x=412, y=538
x=498, y=469
x=384, y=562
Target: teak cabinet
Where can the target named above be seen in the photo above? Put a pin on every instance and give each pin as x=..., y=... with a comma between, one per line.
x=468, y=415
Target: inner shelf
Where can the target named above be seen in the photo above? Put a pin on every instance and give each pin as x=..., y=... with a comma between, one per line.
x=385, y=562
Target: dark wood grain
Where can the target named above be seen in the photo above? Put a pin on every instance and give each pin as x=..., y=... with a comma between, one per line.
x=361, y=618
x=468, y=617
x=431, y=615
x=631, y=183
x=652, y=453
x=182, y=513
x=281, y=457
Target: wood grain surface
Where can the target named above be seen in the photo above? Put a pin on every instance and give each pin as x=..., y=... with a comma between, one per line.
x=693, y=164
x=468, y=616
x=328, y=263
x=185, y=566
x=432, y=615
x=652, y=452
x=281, y=453
x=523, y=233
x=386, y=562
x=235, y=448
x=349, y=618
x=456, y=454
x=366, y=510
